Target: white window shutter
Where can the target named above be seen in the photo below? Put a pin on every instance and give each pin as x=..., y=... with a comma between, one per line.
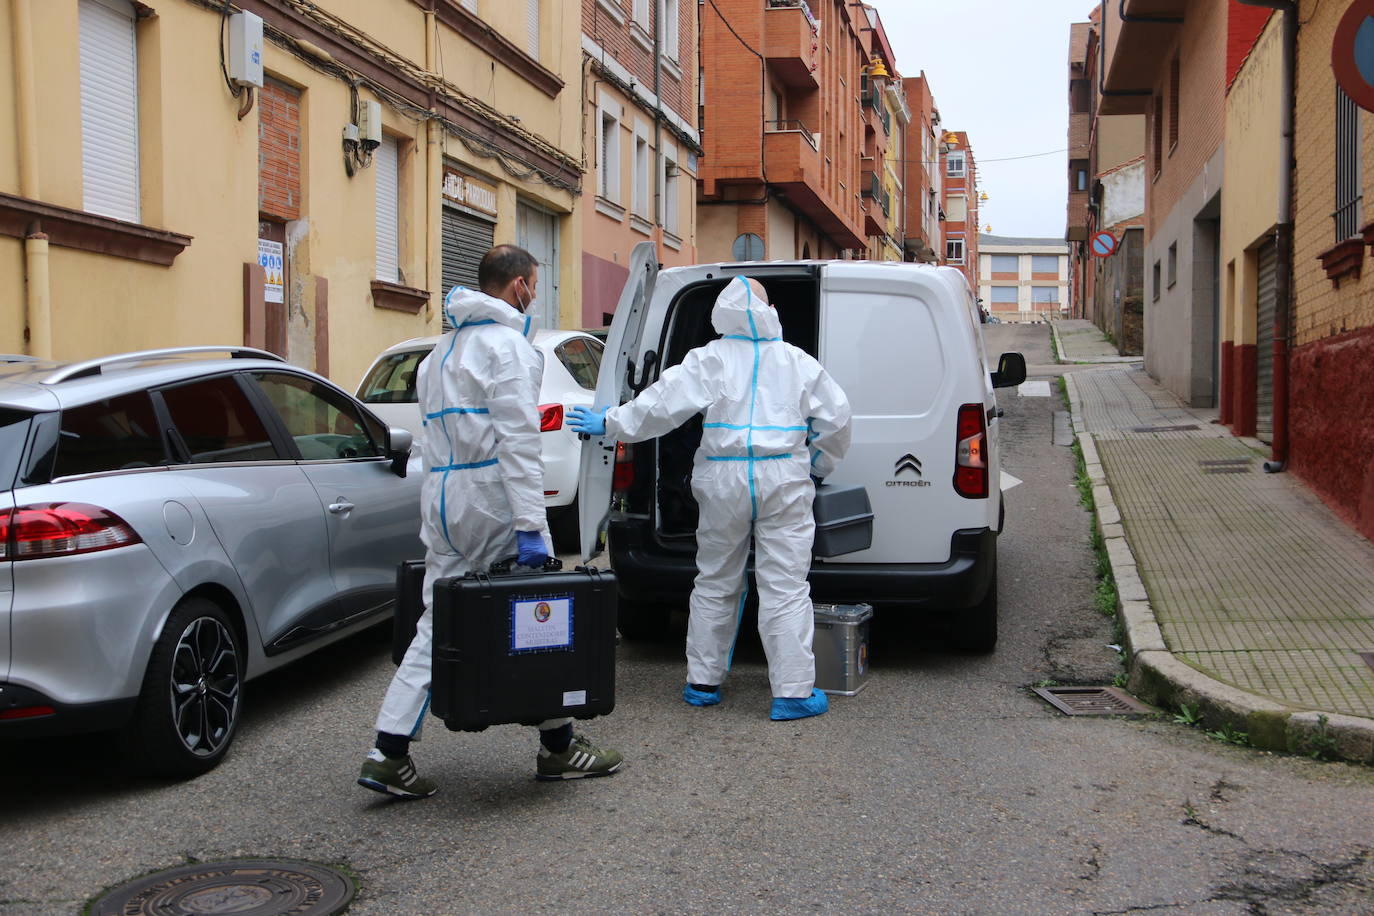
x=534, y=29
x=470, y=5
x=109, y=109
x=384, y=164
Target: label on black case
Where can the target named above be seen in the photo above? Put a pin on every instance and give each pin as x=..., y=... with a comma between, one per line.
x=541, y=624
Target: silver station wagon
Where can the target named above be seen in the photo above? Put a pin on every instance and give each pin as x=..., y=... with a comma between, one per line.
x=175, y=522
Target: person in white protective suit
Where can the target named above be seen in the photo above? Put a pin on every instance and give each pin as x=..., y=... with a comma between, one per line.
x=775, y=423
x=482, y=500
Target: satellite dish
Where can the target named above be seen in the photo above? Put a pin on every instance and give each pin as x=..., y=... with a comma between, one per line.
x=748, y=247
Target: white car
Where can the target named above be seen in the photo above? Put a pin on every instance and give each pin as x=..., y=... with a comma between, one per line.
x=571, y=362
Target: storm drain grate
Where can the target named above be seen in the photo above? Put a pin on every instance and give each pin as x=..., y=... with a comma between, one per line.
x=1164, y=429
x=246, y=887
x=1092, y=701
x=1226, y=466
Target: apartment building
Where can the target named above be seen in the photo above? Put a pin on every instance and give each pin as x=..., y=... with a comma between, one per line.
x=960, y=204
x=319, y=207
x=643, y=146
x=922, y=185
x=784, y=126
x=1106, y=195
x=885, y=117
x=1024, y=279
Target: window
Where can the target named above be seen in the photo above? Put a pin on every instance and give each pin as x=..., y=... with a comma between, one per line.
x=582, y=358
x=392, y=379
x=532, y=28
x=1154, y=286
x=109, y=109
x=641, y=197
x=215, y=422
x=954, y=164
x=1004, y=263
x=956, y=208
x=672, y=173
x=1173, y=265
x=470, y=5
x=1044, y=294
x=1157, y=138
x=640, y=14
x=1173, y=104
x=1348, y=167
x=1045, y=264
x=112, y=435
x=954, y=251
x=323, y=423
x=1004, y=294
x=386, y=165
x=610, y=157
x=668, y=16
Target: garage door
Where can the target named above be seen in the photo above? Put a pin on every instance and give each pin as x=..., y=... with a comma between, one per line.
x=465, y=239
x=1267, y=298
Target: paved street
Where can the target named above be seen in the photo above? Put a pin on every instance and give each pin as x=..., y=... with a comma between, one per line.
x=944, y=787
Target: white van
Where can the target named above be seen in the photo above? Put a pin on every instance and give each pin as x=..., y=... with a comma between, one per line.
x=905, y=343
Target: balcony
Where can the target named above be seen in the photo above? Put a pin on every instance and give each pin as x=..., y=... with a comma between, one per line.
x=792, y=161
x=791, y=42
x=1133, y=50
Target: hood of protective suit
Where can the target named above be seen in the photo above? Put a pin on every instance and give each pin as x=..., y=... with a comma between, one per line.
x=469, y=306
x=739, y=310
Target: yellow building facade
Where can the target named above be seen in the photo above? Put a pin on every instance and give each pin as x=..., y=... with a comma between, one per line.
x=146, y=201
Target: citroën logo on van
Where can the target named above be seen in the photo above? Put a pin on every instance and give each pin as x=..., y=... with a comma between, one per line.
x=908, y=462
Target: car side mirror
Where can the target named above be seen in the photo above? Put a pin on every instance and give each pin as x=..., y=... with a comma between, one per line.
x=398, y=445
x=1011, y=371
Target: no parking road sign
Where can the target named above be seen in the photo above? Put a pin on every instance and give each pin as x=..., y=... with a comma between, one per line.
x=1352, y=53
x=1103, y=244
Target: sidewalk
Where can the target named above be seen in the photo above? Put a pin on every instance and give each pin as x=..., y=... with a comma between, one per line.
x=1241, y=593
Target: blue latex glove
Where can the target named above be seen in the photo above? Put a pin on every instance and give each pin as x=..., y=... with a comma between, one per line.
x=530, y=545
x=587, y=421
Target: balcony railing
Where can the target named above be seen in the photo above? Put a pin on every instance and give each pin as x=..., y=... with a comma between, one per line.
x=790, y=126
x=795, y=5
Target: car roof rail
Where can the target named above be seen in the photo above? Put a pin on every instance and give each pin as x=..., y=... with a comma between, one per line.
x=94, y=366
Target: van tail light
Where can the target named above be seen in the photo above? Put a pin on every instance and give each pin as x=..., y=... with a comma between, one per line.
x=61, y=529
x=624, y=475
x=970, y=453
x=550, y=417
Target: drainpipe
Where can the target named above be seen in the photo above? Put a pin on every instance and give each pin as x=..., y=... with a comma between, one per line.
x=434, y=172
x=659, y=31
x=37, y=293
x=1283, y=235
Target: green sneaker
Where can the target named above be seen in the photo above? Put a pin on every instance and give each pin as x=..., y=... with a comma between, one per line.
x=394, y=777
x=582, y=758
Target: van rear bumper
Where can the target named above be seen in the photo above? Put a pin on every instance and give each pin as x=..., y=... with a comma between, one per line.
x=646, y=571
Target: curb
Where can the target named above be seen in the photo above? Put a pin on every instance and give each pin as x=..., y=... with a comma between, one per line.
x=1160, y=678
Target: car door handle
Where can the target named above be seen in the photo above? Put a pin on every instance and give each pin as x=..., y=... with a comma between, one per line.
x=341, y=507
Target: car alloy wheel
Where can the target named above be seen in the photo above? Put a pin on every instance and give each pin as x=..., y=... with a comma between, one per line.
x=205, y=686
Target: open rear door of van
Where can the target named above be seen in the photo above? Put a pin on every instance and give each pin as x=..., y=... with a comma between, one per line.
x=612, y=388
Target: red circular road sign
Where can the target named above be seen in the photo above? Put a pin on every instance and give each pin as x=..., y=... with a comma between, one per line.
x=1103, y=244
x=1352, y=53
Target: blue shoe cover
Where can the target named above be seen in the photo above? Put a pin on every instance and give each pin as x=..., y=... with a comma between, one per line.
x=694, y=697
x=785, y=708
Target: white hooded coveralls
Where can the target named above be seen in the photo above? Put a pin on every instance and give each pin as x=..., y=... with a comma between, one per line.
x=773, y=417
x=484, y=473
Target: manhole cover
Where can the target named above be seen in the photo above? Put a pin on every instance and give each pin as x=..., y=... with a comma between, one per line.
x=1093, y=701
x=1163, y=429
x=246, y=887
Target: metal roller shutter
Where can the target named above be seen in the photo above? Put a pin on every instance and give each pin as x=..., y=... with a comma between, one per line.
x=109, y=109
x=465, y=239
x=1267, y=298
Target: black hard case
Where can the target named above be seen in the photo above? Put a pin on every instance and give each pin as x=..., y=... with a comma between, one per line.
x=481, y=680
x=410, y=605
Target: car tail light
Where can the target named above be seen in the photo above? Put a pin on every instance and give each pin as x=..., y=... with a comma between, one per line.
x=550, y=417
x=970, y=453
x=61, y=529
x=624, y=475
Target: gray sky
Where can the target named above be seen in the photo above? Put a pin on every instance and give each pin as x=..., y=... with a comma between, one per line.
x=999, y=70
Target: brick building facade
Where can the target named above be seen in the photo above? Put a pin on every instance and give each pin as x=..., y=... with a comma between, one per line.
x=959, y=199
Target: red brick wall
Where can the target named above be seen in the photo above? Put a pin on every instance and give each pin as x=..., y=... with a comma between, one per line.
x=678, y=95
x=279, y=151
x=1243, y=26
